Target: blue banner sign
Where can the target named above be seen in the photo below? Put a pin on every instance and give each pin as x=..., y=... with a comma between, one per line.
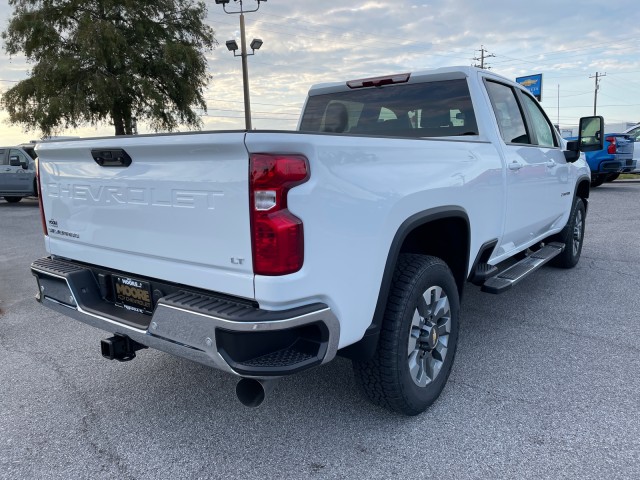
x=533, y=83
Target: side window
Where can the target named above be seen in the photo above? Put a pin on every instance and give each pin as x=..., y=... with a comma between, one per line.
x=508, y=114
x=540, y=124
x=635, y=133
x=4, y=160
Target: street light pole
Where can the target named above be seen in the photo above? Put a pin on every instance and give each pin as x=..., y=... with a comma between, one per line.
x=245, y=72
x=233, y=46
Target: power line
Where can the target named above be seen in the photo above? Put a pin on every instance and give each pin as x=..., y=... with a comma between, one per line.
x=560, y=52
x=267, y=113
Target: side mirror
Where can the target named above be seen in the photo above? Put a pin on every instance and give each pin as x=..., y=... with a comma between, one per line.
x=15, y=161
x=591, y=136
x=572, y=153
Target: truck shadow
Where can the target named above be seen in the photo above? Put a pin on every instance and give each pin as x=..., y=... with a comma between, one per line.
x=28, y=202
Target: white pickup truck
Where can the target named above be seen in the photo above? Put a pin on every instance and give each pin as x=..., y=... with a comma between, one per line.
x=264, y=253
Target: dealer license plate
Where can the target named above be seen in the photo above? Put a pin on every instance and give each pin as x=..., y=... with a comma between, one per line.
x=132, y=294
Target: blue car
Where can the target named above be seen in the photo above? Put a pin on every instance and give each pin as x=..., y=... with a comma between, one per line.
x=615, y=158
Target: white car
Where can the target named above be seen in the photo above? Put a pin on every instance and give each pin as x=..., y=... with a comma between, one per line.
x=635, y=133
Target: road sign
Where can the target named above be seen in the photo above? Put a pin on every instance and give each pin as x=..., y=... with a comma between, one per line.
x=533, y=83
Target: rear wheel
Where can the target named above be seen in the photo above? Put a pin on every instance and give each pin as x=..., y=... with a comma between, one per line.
x=13, y=199
x=611, y=177
x=418, y=338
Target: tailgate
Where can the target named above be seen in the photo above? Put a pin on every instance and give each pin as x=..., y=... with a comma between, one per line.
x=178, y=212
x=624, y=145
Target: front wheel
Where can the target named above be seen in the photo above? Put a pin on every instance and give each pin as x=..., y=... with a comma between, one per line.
x=418, y=338
x=572, y=235
x=13, y=199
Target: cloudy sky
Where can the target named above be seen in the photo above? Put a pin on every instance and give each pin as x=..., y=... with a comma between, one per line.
x=312, y=41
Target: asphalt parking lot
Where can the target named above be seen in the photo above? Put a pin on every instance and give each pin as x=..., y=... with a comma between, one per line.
x=545, y=385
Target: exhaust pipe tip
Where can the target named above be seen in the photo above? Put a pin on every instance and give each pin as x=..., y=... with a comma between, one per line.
x=252, y=392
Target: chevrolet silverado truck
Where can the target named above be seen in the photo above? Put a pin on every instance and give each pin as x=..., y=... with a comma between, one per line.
x=17, y=174
x=265, y=253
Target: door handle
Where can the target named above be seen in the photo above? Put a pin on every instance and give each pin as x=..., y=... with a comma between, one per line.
x=551, y=164
x=515, y=165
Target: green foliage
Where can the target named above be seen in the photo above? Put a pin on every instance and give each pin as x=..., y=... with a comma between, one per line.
x=100, y=60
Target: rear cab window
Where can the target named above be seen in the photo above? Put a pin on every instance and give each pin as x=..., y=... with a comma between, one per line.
x=428, y=109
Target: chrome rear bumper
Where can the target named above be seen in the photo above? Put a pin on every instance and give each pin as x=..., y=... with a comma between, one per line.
x=235, y=337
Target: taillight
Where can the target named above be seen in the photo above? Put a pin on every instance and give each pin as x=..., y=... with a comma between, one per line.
x=612, y=145
x=277, y=235
x=42, y=219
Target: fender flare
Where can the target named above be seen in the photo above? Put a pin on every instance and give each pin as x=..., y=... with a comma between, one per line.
x=579, y=180
x=365, y=348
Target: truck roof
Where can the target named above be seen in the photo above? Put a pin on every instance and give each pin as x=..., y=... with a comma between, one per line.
x=432, y=75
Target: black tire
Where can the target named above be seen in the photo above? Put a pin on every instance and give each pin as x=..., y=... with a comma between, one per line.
x=412, y=363
x=611, y=177
x=13, y=199
x=572, y=235
x=597, y=180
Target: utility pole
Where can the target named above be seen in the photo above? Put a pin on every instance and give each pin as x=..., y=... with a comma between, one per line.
x=558, y=105
x=597, y=76
x=482, y=57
